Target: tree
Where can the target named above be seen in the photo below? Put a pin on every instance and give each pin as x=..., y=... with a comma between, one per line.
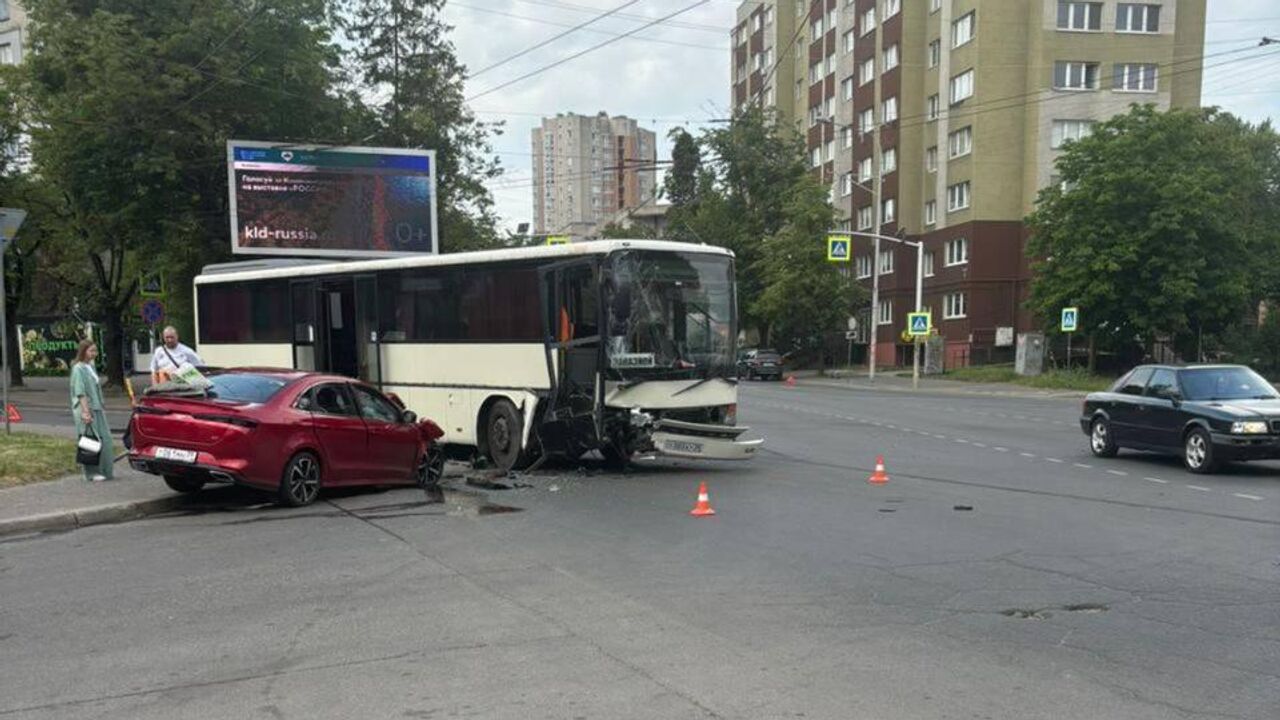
x=131, y=103
x=681, y=183
x=625, y=232
x=805, y=296
x=404, y=53
x=1163, y=215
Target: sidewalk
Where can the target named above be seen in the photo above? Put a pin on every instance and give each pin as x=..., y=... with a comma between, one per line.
x=53, y=393
x=890, y=382
x=72, y=502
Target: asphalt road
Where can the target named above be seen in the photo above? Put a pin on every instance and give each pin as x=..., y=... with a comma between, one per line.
x=1002, y=573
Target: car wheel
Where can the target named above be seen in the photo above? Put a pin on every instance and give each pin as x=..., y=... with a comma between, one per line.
x=1197, y=452
x=1100, y=440
x=183, y=484
x=430, y=469
x=504, y=429
x=300, y=484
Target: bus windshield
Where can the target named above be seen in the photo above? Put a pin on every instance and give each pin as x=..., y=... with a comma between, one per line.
x=670, y=314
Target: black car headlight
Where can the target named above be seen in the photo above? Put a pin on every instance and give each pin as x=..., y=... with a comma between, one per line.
x=1249, y=427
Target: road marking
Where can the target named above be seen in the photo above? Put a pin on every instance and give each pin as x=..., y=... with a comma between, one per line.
x=892, y=427
x=1053, y=460
x=1000, y=449
x=1118, y=472
x=1246, y=496
x=1082, y=465
x=1201, y=488
x=1157, y=480
x=941, y=437
x=978, y=444
x=962, y=440
x=1027, y=455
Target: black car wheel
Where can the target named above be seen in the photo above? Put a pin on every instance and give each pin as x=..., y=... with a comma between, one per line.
x=430, y=469
x=181, y=484
x=1197, y=452
x=300, y=484
x=504, y=431
x=1100, y=440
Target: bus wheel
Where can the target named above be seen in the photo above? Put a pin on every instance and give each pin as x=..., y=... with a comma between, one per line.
x=504, y=428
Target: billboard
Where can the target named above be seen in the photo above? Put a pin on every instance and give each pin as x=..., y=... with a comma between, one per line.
x=330, y=201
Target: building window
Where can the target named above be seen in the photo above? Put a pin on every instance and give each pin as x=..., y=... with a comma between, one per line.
x=817, y=156
x=888, y=213
x=867, y=71
x=867, y=120
x=846, y=184
x=1137, y=18
x=892, y=7
x=815, y=115
x=886, y=262
x=931, y=107
x=864, y=169
x=817, y=28
x=4, y=10
x=1135, y=77
x=962, y=86
x=864, y=266
x=768, y=14
x=829, y=107
x=955, y=306
x=1079, y=15
x=962, y=30
x=847, y=39
x=7, y=56
x=868, y=20
x=935, y=53
x=770, y=97
x=1064, y=130
x=831, y=63
x=846, y=88
x=864, y=218
x=891, y=57
x=757, y=61
x=930, y=218
x=889, y=112
x=846, y=137
x=1075, y=75
x=815, y=73
x=957, y=252
x=831, y=150
x=885, y=316
x=935, y=5
x=958, y=196
x=888, y=161
x=931, y=159
x=960, y=142
x=768, y=57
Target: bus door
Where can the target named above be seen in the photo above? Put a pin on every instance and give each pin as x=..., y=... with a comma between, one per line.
x=308, y=341
x=368, y=348
x=572, y=318
x=335, y=325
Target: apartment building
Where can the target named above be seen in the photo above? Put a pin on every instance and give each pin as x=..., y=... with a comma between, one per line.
x=959, y=109
x=587, y=168
x=13, y=20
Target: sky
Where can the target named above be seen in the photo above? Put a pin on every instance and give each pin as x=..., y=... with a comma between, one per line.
x=676, y=73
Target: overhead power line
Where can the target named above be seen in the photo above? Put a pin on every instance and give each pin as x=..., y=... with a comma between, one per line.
x=553, y=38
x=591, y=49
x=555, y=23
x=573, y=7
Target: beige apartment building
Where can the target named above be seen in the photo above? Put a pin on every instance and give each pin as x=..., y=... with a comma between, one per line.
x=969, y=103
x=588, y=168
x=13, y=21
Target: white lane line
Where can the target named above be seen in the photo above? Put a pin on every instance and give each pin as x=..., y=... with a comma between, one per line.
x=1082, y=465
x=962, y=441
x=892, y=427
x=1053, y=460
x=1121, y=473
x=1201, y=488
x=1027, y=455
x=1156, y=480
x=978, y=444
x=1246, y=496
x=1000, y=449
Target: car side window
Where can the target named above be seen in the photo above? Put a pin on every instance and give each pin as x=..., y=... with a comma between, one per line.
x=1137, y=380
x=373, y=406
x=1164, y=384
x=328, y=399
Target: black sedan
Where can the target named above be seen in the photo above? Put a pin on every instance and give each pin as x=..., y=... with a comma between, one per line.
x=765, y=364
x=1207, y=414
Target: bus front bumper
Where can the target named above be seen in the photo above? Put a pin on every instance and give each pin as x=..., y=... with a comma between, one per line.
x=703, y=442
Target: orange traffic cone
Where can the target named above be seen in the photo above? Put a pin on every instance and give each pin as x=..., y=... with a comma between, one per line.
x=879, y=477
x=703, y=507
x=791, y=381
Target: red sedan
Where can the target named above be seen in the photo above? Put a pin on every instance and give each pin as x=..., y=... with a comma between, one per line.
x=285, y=431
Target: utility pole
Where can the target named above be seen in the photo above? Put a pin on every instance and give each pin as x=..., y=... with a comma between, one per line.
x=919, y=246
x=878, y=202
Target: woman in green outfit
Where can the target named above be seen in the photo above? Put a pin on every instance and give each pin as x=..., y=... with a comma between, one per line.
x=86, y=406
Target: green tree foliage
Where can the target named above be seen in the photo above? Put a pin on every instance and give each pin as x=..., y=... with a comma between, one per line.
x=635, y=231
x=405, y=56
x=1162, y=227
x=804, y=296
x=681, y=183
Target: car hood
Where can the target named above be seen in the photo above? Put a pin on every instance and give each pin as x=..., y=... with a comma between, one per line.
x=1243, y=408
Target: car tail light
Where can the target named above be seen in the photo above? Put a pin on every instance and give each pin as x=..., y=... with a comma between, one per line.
x=229, y=420
x=731, y=414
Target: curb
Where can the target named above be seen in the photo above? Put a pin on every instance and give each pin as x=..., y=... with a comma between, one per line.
x=97, y=515
x=1024, y=394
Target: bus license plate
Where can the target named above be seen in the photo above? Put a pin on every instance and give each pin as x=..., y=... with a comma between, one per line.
x=683, y=447
x=186, y=456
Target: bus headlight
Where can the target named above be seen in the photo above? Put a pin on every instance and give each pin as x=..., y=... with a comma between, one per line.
x=731, y=414
x=1249, y=427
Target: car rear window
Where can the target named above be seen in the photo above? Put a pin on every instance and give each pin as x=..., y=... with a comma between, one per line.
x=244, y=387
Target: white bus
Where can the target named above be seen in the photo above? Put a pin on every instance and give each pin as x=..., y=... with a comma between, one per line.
x=621, y=346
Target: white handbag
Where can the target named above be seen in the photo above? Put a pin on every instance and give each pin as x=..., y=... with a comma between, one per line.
x=89, y=444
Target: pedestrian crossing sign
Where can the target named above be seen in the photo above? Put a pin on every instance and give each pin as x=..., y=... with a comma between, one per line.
x=919, y=324
x=1070, y=319
x=838, y=248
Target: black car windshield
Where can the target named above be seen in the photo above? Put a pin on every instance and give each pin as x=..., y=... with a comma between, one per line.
x=1227, y=383
x=670, y=313
x=244, y=387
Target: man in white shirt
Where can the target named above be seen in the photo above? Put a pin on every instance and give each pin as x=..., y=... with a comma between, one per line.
x=170, y=356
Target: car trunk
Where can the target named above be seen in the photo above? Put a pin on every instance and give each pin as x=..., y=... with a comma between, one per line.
x=190, y=423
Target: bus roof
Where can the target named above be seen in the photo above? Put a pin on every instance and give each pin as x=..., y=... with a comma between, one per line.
x=257, y=270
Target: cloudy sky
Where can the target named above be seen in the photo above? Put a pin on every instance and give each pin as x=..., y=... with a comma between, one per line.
x=676, y=73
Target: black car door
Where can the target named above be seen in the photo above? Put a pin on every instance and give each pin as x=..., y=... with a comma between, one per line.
x=1161, y=416
x=1123, y=408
